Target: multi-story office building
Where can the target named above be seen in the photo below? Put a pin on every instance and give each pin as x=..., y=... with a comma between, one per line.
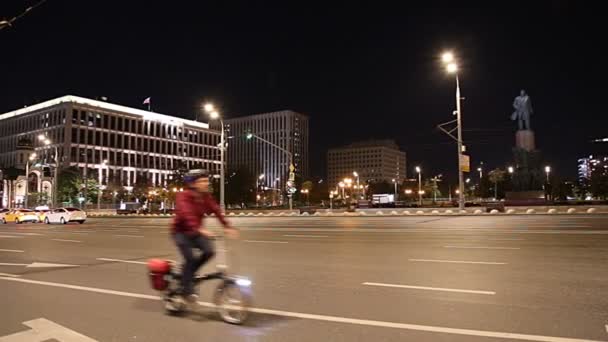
x=375, y=160
x=285, y=129
x=111, y=141
x=588, y=166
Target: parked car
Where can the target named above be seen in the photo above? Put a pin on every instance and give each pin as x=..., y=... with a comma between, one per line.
x=19, y=216
x=65, y=215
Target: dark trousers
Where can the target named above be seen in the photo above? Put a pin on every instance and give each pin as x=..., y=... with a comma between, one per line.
x=186, y=244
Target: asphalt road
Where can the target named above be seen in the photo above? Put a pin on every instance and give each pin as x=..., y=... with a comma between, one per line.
x=498, y=278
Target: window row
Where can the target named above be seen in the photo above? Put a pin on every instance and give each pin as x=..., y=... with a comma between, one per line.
x=140, y=126
x=114, y=158
x=142, y=144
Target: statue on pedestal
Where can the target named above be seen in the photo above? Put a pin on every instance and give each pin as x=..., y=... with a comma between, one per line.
x=523, y=109
x=528, y=173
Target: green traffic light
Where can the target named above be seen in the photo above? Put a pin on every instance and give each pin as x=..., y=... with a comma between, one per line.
x=249, y=135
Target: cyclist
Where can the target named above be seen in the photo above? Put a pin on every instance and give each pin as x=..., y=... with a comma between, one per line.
x=188, y=229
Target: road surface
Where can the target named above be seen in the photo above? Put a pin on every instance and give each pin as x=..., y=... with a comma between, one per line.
x=486, y=278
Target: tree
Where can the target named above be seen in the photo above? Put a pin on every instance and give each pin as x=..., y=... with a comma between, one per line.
x=599, y=184
x=141, y=189
x=496, y=176
x=90, y=187
x=11, y=174
x=68, y=183
x=38, y=198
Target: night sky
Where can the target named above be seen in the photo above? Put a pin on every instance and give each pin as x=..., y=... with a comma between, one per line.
x=358, y=70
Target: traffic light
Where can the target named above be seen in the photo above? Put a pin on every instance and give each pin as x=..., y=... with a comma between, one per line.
x=249, y=136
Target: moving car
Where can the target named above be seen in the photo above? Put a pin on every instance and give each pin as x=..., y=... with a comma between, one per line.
x=42, y=214
x=65, y=215
x=19, y=216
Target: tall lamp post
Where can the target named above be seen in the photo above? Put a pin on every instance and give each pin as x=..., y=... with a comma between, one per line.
x=215, y=115
x=452, y=68
x=250, y=136
x=547, y=172
x=48, y=142
x=358, y=187
x=419, y=185
x=395, y=182
x=31, y=158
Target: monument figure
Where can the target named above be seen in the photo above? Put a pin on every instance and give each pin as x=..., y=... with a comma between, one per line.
x=523, y=109
x=527, y=177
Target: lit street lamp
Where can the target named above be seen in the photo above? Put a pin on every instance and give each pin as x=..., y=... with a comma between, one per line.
x=358, y=187
x=215, y=115
x=342, y=185
x=47, y=142
x=511, y=169
x=547, y=171
x=420, y=192
x=452, y=68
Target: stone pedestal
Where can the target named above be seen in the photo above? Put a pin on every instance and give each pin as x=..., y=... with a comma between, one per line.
x=524, y=139
x=528, y=170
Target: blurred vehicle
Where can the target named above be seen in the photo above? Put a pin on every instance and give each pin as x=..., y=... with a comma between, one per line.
x=41, y=214
x=19, y=216
x=65, y=215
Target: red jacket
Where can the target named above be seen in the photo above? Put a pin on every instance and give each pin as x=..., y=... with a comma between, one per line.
x=190, y=209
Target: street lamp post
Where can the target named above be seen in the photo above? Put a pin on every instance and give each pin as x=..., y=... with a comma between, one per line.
x=452, y=67
x=342, y=185
x=100, y=186
x=395, y=182
x=214, y=114
x=289, y=154
x=419, y=185
x=27, y=177
x=547, y=171
x=357, y=187
x=48, y=142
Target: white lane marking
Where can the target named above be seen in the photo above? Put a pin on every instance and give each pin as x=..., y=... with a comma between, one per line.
x=308, y=236
x=65, y=240
x=41, y=329
x=505, y=239
x=133, y=236
x=264, y=241
x=481, y=247
x=36, y=265
x=25, y=234
x=11, y=250
x=9, y=275
x=124, y=261
x=430, y=288
x=326, y=318
x=11, y=237
x=460, y=262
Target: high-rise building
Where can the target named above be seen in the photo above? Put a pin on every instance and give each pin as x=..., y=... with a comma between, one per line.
x=110, y=141
x=587, y=166
x=286, y=129
x=374, y=160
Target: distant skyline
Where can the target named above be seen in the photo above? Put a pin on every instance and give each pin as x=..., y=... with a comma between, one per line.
x=359, y=71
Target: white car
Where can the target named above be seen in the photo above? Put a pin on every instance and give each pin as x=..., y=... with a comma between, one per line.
x=65, y=215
